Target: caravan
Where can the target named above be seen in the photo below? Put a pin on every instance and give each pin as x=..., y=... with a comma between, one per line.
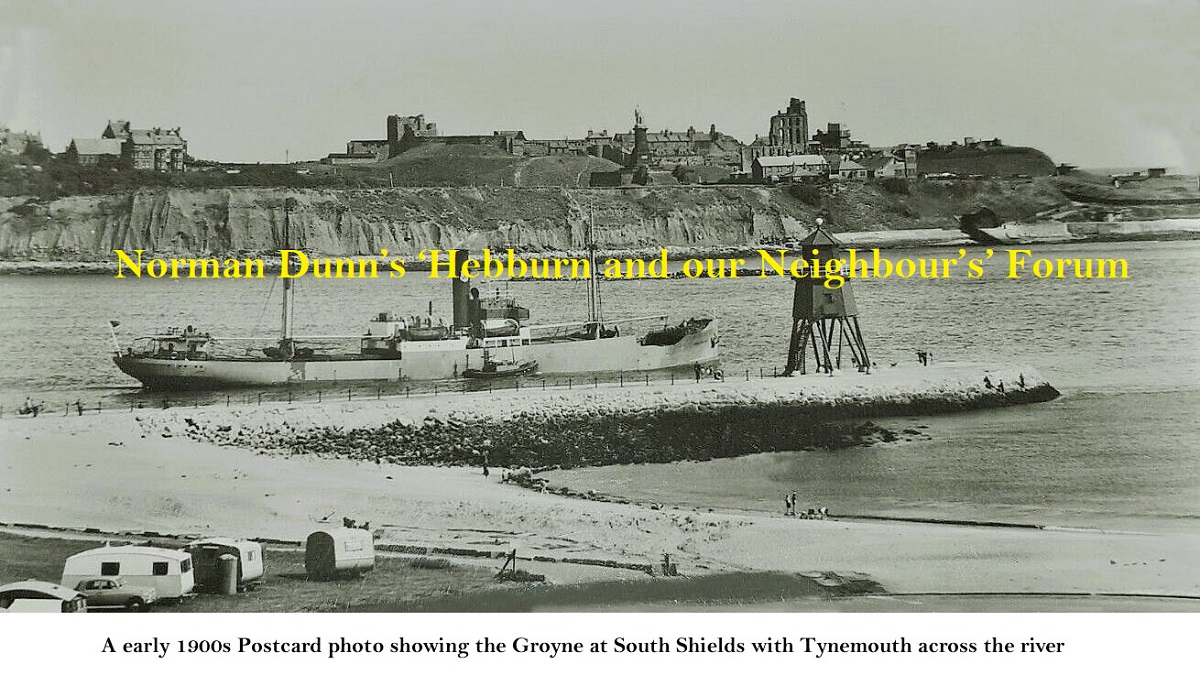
x=169, y=572
x=332, y=553
x=206, y=554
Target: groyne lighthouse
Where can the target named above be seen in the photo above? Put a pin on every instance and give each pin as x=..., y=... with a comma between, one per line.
x=824, y=320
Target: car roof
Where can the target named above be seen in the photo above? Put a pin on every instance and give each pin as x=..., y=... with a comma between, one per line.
x=53, y=590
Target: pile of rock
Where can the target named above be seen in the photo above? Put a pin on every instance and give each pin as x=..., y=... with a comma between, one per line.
x=609, y=425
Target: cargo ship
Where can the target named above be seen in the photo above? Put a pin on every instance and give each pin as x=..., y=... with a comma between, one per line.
x=486, y=334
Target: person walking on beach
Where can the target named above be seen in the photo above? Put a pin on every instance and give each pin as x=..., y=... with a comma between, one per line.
x=787, y=505
x=78, y=408
x=699, y=371
x=793, y=504
x=485, y=463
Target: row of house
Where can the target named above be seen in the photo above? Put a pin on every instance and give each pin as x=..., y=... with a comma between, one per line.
x=161, y=149
x=786, y=153
x=669, y=149
x=122, y=146
x=788, y=136
x=665, y=149
x=18, y=142
x=898, y=163
x=835, y=139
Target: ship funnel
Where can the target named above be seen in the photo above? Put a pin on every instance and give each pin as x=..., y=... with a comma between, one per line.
x=461, y=293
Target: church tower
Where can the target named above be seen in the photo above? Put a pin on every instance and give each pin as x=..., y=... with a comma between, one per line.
x=824, y=320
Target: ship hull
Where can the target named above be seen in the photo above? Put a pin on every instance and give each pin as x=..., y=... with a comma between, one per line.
x=435, y=360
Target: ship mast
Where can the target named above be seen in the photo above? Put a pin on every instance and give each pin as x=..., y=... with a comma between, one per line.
x=595, y=313
x=286, y=328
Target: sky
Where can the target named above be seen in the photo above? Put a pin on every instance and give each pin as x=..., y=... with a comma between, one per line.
x=1096, y=83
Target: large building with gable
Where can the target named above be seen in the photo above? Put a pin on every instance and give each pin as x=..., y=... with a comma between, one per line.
x=157, y=149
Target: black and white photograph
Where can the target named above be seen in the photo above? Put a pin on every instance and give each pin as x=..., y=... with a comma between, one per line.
x=784, y=307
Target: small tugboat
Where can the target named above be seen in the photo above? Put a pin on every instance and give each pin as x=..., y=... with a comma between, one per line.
x=497, y=369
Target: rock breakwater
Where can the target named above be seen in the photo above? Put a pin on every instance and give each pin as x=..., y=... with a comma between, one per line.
x=609, y=425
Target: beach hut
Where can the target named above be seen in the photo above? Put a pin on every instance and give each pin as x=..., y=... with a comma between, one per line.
x=345, y=551
x=168, y=571
x=206, y=552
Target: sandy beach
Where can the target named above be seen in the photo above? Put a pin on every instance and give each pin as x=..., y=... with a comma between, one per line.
x=104, y=471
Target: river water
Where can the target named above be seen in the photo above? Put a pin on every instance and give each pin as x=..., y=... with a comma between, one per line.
x=1118, y=450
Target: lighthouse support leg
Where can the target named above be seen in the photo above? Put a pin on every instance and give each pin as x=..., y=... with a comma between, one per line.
x=795, y=349
x=864, y=360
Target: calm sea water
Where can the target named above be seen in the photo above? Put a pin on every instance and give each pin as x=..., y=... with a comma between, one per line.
x=1118, y=450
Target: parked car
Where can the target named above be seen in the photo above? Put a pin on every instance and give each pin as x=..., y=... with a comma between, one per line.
x=114, y=592
x=40, y=596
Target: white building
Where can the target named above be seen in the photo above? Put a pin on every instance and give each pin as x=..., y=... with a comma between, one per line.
x=790, y=166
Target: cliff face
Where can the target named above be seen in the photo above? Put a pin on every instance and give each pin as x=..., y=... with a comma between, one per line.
x=238, y=221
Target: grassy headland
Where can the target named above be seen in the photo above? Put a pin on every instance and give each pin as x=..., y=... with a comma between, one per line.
x=440, y=195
